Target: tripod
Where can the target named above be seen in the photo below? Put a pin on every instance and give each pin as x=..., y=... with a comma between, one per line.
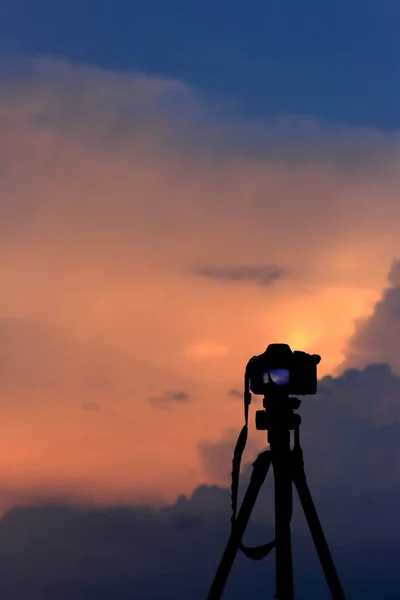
x=288, y=469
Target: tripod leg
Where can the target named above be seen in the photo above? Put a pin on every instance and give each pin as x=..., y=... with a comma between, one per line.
x=281, y=461
x=317, y=533
x=260, y=470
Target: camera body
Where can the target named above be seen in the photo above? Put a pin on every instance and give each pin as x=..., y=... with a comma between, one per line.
x=281, y=369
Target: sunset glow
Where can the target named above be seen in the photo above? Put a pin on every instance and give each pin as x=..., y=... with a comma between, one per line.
x=104, y=317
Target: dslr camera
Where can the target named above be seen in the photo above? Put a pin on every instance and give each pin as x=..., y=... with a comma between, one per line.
x=280, y=368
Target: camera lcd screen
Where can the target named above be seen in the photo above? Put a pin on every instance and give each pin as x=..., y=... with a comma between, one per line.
x=279, y=376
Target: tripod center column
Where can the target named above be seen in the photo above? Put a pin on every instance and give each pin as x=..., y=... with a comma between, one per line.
x=279, y=440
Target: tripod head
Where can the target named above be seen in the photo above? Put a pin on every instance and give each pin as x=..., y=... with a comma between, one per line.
x=276, y=374
x=278, y=414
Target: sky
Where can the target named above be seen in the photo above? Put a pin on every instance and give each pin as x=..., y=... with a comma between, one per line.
x=182, y=185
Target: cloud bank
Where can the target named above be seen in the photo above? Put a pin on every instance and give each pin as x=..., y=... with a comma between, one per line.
x=65, y=553
x=376, y=337
x=113, y=187
x=260, y=274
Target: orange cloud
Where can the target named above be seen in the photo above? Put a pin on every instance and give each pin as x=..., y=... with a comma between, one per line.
x=111, y=198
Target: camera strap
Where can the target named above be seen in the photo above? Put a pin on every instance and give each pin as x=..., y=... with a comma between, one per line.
x=239, y=449
x=255, y=552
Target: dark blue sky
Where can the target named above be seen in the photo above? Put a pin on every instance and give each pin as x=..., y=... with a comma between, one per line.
x=335, y=60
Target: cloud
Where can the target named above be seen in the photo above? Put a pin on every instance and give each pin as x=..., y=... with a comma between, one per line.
x=263, y=275
x=169, y=398
x=56, y=551
x=376, y=337
x=235, y=394
x=113, y=186
x=373, y=392
x=91, y=406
